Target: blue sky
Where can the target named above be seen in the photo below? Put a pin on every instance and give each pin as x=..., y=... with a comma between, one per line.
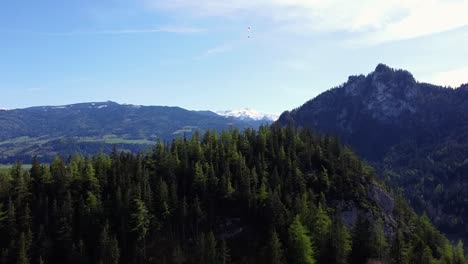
x=197, y=54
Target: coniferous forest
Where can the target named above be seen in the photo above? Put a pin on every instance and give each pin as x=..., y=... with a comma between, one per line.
x=272, y=195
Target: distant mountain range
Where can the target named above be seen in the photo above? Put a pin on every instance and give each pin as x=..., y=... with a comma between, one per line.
x=87, y=127
x=249, y=115
x=416, y=134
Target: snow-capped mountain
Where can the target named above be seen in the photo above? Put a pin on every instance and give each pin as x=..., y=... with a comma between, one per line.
x=248, y=114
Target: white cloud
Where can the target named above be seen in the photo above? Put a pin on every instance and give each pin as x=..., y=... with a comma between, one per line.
x=377, y=20
x=453, y=78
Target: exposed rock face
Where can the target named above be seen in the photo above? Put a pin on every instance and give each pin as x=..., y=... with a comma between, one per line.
x=384, y=202
x=384, y=97
x=350, y=216
x=382, y=198
x=392, y=93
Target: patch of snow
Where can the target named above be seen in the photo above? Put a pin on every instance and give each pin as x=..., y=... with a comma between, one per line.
x=59, y=107
x=132, y=105
x=247, y=113
x=102, y=106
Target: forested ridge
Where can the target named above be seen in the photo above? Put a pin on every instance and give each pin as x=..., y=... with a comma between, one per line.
x=272, y=195
x=86, y=128
x=415, y=134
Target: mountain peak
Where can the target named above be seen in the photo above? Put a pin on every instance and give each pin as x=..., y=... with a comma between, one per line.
x=413, y=132
x=386, y=74
x=384, y=95
x=248, y=114
x=383, y=84
x=382, y=68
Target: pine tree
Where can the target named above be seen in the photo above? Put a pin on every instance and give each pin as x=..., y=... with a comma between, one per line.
x=361, y=235
x=59, y=174
x=300, y=244
x=23, y=257
x=263, y=191
x=225, y=184
x=447, y=251
x=420, y=253
x=110, y=253
x=399, y=249
x=379, y=243
x=92, y=203
x=340, y=241
x=275, y=249
x=200, y=180
x=306, y=211
x=324, y=179
x=459, y=254
x=210, y=249
x=279, y=213
x=3, y=215
x=197, y=213
x=113, y=251
x=62, y=248
x=139, y=226
x=427, y=256
x=201, y=248
x=36, y=176
x=322, y=234
x=178, y=256
x=11, y=227
x=90, y=181
x=223, y=254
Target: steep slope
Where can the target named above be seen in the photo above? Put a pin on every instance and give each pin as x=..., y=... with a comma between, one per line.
x=87, y=127
x=415, y=133
x=276, y=195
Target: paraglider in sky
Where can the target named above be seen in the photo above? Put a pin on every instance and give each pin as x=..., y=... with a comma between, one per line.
x=249, y=29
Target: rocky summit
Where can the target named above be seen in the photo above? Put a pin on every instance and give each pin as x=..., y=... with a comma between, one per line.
x=416, y=134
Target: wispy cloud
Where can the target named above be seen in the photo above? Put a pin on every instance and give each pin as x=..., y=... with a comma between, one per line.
x=218, y=50
x=214, y=51
x=375, y=20
x=453, y=78
x=162, y=29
